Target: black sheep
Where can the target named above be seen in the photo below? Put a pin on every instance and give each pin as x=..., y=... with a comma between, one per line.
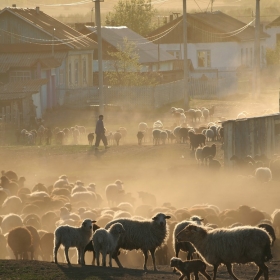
x=196, y=140
x=140, y=136
x=208, y=151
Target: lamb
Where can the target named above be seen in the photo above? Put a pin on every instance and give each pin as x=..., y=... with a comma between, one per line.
x=188, y=267
x=196, y=140
x=243, y=244
x=73, y=237
x=20, y=241
x=90, y=138
x=185, y=246
x=208, y=151
x=147, y=235
x=106, y=241
x=263, y=174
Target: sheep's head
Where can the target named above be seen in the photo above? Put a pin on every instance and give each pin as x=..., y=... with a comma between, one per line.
x=160, y=219
x=190, y=231
x=196, y=219
x=87, y=224
x=175, y=262
x=117, y=228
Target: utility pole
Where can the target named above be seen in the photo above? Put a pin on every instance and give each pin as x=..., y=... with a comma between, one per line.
x=257, y=56
x=100, y=68
x=186, y=66
x=212, y=2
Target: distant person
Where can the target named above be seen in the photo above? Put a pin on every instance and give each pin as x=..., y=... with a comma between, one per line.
x=100, y=133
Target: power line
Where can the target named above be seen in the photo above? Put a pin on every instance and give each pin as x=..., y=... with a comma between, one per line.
x=198, y=6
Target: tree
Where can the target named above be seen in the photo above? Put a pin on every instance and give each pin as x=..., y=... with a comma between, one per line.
x=273, y=56
x=135, y=14
x=126, y=67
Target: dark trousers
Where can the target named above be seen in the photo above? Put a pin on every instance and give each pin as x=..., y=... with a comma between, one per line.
x=101, y=137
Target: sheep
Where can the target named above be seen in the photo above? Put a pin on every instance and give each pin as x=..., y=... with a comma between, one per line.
x=156, y=136
x=158, y=125
x=208, y=151
x=183, y=134
x=73, y=237
x=226, y=246
x=213, y=163
x=205, y=114
x=163, y=136
x=89, y=247
x=198, y=114
x=263, y=174
x=59, y=136
x=106, y=241
x=142, y=126
x=184, y=246
x=209, y=133
x=76, y=136
x=10, y=185
x=269, y=229
x=196, y=140
x=113, y=190
x=140, y=135
x=198, y=155
x=90, y=138
x=61, y=182
x=188, y=267
x=144, y=235
x=11, y=175
x=36, y=245
x=117, y=137
x=147, y=198
x=20, y=241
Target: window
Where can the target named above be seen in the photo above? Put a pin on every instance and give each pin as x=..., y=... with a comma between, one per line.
x=84, y=71
x=70, y=73
x=20, y=76
x=204, y=59
x=61, y=77
x=76, y=72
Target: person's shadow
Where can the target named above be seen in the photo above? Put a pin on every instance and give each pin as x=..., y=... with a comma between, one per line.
x=97, y=153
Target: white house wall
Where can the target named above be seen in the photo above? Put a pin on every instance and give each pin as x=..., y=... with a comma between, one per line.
x=271, y=42
x=224, y=56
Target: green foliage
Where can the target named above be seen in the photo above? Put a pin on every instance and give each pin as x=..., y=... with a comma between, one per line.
x=135, y=14
x=273, y=56
x=127, y=69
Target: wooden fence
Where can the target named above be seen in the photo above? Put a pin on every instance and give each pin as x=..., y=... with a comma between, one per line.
x=144, y=97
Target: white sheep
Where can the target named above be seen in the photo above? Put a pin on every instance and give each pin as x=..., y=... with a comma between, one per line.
x=73, y=237
x=263, y=174
x=61, y=182
x=146, y=236
x=243, y=244
x=11, y=221
x=112, y=191
x=106, y=241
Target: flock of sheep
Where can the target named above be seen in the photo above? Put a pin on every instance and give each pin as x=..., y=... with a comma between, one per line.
x=35, y=223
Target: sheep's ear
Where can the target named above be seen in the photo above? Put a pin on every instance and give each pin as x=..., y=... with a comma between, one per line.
x=154, y=218
x=83, y=224
x=201, y=219
x=93, y=221
x=167, y=217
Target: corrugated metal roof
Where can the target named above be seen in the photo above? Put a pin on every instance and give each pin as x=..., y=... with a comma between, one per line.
x=10, y=60
x=27, y=86
x=217, y=21
x=148, y=52
x=47, y=24
x=245, y=119
x=276, y=22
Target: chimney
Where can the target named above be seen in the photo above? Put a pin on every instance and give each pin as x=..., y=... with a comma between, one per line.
x=37, y=10
x=14, y=5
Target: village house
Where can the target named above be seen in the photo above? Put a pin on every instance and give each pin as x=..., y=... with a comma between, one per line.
x=40, y=57
x=151, y=57
x=273, y=29
x=218, y=44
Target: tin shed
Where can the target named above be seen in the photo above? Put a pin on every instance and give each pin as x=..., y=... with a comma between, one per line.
x=251, y=136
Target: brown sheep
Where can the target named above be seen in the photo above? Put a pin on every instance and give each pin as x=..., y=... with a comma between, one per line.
x=11, y=175
x=36, y=242
x=188, y=267
x=20, y=241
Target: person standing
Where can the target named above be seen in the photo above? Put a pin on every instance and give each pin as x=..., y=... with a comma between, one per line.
x=100, y=133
